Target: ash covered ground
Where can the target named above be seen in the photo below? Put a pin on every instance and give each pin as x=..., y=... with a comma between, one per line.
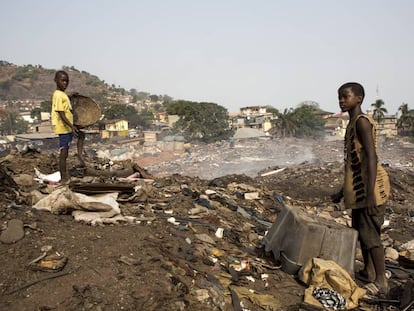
x=153, y=264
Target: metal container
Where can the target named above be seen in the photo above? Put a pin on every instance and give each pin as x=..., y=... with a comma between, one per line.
x=295, y=237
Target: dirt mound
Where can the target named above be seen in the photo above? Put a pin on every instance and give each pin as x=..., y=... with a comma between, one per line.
x=169, y=257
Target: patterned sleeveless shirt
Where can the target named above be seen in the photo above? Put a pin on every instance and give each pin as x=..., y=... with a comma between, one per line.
x=356, y=169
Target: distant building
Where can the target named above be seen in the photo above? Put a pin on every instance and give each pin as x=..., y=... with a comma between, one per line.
x=45, y=116
x=151, y=136
x=172, y=118
x=252, y=110
x=113, y=128
x=388, y=126
x=336, y=123
x=324, y=114
x=26, y=117
x=255, y=117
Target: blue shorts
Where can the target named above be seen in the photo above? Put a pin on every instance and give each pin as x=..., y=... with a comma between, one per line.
x=64, y=140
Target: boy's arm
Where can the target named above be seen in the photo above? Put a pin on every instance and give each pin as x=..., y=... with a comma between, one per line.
x=64, y=119
x=364, y=132
x=337, y=197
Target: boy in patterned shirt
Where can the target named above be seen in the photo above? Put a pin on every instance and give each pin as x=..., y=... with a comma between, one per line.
x=366, y=186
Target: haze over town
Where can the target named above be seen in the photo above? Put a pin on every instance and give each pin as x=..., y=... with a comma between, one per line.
x=233, y=53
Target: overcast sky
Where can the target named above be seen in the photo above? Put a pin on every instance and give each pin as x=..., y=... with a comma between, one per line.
x=234, y=53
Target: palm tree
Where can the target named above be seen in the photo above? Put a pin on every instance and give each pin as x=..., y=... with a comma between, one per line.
x=406, y=119
x=379, y=111
x=403, y=109
x=285, y=123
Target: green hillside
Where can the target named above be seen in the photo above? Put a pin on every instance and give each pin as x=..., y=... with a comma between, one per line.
x=30, y=82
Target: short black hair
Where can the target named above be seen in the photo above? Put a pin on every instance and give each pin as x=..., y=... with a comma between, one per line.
x=356, y=88
x=61, y=72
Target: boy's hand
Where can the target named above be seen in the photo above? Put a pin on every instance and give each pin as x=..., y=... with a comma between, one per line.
x=75, y=130
x=336, y=197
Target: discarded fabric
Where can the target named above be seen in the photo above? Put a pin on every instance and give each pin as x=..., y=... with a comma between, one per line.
x=329, y=298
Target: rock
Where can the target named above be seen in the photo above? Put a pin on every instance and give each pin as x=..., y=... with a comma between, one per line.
x=198, y=209
x=13, y=233
x=36, y=196
x=202, y=294
x=408, y=245
x=24, y=180
x=391, y=253
x=336, y=214
x=410, y=255
x=325, y=215
x=251, y=196
x=205, y=238
x=253, y=236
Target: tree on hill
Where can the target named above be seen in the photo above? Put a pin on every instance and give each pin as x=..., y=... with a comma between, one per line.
x=136, y=96
x=145, y=119
x=206, y=122
x=101, y=98
x=309, y=123
x=154, y=98
x=379, y=111
x=119, y=111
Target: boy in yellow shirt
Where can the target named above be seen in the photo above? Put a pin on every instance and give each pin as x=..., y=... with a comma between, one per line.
x=62, y=123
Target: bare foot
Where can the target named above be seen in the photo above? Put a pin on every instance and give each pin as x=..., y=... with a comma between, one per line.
x=366, y=276
x=82, y=163
x=382, y=285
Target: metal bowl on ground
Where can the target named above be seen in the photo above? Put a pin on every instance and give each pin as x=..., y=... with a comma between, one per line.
x=86, y=111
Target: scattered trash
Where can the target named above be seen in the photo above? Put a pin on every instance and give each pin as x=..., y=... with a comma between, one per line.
x=273, y=172
x=205, y=238
x=172, y=220
x=219, y=233
x=386, y=224
x=128, y=261
x=239, y=265
x=47, y=178
x=177, y=225
x=327, y=274
x=251, y=196
x=50, y=263
x=329, y=298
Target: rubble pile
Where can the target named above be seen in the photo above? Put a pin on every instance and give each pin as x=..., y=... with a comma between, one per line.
x=178, y=241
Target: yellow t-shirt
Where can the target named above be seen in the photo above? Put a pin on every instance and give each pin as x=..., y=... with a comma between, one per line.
x=61, y=102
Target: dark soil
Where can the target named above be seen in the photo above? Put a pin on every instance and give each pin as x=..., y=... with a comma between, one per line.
x=154, y=265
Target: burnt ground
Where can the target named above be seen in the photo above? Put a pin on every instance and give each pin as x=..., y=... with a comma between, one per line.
x=152, y=264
